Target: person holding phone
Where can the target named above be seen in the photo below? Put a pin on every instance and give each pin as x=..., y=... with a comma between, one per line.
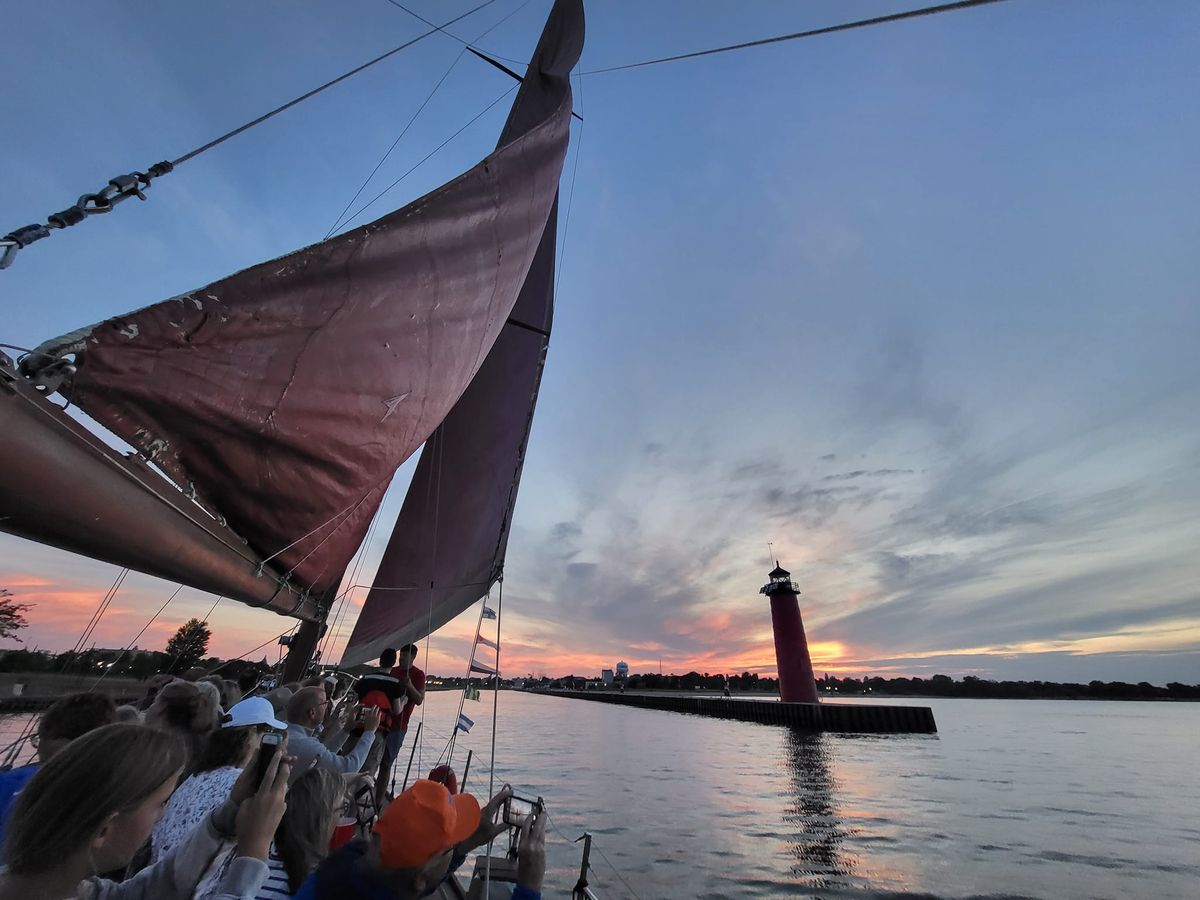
x=91, y=807
x=381, y=690
x=421, y=838
x=305, y=713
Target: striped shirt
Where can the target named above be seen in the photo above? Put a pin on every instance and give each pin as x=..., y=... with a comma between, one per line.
x=276, y=885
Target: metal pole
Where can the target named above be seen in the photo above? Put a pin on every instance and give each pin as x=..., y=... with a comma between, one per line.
x=411, y=754
x=580, y=891
x=466, y=771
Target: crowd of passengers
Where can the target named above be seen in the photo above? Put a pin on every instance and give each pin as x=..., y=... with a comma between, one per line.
x=177, y=798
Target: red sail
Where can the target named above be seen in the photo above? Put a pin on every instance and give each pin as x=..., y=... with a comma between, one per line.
x=287, y=395
x=453, y=528
x=448, y=545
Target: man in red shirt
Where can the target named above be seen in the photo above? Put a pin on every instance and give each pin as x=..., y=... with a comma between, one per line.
x=412, y=682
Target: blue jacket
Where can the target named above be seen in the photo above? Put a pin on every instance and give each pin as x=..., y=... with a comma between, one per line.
x=338, y=878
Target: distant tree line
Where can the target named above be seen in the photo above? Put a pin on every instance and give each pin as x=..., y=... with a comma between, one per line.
x=973, y=687
x=186, y=649
x=139, y=664
x=936, y=686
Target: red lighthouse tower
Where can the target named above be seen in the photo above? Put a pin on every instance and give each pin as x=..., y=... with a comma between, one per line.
x=797, y=684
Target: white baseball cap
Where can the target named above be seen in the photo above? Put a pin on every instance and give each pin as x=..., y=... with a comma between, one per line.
x=253, y=711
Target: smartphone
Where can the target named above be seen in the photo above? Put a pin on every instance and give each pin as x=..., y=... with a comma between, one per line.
x=518, y=809
x=267, y=748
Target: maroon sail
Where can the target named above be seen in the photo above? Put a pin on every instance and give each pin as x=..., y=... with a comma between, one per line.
x=285, y=396
x=448, y=544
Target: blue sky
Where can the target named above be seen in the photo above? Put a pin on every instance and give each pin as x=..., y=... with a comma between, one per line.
x=915, y=303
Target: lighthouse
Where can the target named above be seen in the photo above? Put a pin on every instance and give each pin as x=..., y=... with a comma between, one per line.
x=796, y=681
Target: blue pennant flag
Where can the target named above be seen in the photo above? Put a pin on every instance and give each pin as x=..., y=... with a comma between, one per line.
x=488, y=612
x=464, y=724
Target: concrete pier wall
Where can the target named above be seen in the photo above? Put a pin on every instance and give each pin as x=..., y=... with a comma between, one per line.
x=843, y=718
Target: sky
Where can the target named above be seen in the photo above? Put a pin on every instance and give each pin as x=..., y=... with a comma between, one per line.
x=916, y=305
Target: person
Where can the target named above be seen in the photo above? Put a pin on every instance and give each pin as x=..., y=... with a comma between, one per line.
x=247, y=682
x=306, y=711
x=226, y=754
x=279, y=698
x=412, y=680
x=68, y=718
x=382, y=690
x=418, y=841
x=188, y=710
x=315, y=803
x=226, y=689
x=128, y=713
x=302, y=839
x=93, y=805
x=156, y=684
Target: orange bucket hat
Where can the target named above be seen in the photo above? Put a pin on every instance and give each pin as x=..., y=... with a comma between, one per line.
x=422, y=822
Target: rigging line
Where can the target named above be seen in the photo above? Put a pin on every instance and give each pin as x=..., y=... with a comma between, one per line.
x=445, y=587
x=592, y=868
x=562, y=254
x=462, y=697
x=437, y=509
x=362, y=187
x=347, y=512
x=105, y=602
x=415, y=115
x=211, y=609
x=325, y=539
x=470, y=45
x=270, y=640
x=100, y=610
x=326, y=85
x=830, y=29
x=174, y=594
x=616, y=871
x=330, y=641
x=474, y=119
x=487, y=874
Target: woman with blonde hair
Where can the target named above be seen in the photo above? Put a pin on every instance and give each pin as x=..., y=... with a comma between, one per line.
x=91, y=807
x=188, y=710
x=314, y=803
x=302, y=839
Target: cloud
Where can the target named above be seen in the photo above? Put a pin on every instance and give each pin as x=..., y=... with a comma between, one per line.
x=865, y=473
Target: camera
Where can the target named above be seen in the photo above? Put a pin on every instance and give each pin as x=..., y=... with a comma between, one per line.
x=518, y=809
x=267, y=749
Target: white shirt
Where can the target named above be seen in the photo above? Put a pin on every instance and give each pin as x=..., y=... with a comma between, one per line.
x=189, y=805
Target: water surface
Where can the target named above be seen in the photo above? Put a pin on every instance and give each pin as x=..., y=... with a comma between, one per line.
x=1053, y=799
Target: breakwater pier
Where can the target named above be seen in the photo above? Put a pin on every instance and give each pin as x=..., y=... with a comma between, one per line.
x=839, y=718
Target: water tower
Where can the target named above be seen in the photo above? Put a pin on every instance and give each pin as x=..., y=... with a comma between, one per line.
x=797, y=684
x=622, y=669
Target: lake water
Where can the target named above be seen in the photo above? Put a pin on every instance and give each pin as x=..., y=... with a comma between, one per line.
x=1012, y=799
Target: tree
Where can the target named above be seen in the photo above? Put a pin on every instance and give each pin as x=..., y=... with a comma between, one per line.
x=11, y=618
x=188, y=646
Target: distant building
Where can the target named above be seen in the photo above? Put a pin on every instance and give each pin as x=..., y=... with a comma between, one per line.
x=622, y=669
x=606, y=676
